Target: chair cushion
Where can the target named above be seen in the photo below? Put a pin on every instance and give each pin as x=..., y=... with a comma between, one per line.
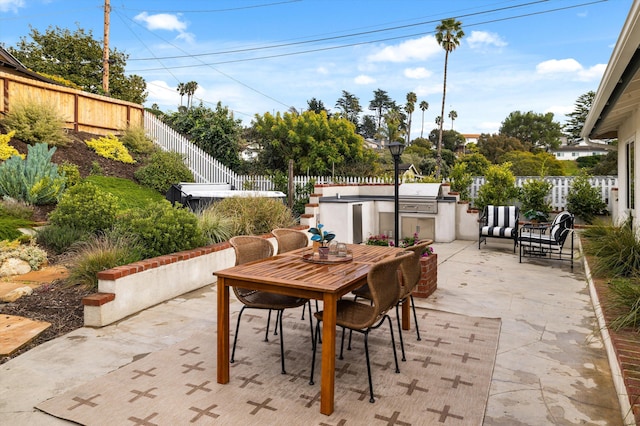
x=266, y=300
x=496, y=231
x=502, y=216
x=353, y=315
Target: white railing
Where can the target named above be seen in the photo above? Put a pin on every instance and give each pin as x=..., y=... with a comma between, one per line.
x=205, y=168
x=209, y=170
x=561, y=185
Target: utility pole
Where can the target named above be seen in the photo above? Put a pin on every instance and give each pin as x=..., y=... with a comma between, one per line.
x=105, y=53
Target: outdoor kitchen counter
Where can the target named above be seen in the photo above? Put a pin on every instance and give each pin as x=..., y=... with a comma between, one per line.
x=353, y=218
x=362, y=198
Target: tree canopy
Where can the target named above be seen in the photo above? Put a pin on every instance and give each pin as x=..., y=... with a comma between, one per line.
x=216, y=132
x=494, y=146
x=525, y=163
x=535, y=131
x=77, y=57
x=318, y=144
x=576, y=120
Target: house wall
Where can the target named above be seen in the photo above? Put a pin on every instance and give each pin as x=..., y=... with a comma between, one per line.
x=628, y=132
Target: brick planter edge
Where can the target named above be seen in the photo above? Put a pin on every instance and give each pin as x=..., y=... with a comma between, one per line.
x=428, y=278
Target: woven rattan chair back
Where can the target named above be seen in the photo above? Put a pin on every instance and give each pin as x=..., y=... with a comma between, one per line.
x=290, y=239
x=411, y=269
x=384, y=288
x=249, y=248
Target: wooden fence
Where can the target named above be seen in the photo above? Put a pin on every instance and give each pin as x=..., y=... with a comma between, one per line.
x=81, y=111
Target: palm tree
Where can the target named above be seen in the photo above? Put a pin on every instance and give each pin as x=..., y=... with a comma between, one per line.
x=424, y=105
x=182, y=90
x=452, y=115
x=190, y=89
x=448, y=35
x=409, y=108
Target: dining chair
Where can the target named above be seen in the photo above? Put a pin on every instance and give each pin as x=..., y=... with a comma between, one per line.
x=289, y=240
x=382, y=279
x=248, y=249
x=411, y=270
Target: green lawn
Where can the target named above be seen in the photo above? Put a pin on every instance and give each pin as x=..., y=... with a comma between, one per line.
x=129, y=193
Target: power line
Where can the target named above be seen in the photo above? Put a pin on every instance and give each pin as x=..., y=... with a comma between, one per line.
x=275, y=46
x=370, y=41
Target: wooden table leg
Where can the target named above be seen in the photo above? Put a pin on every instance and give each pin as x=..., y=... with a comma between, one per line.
x=223, y=332
x=406, y=314
x=327, y=379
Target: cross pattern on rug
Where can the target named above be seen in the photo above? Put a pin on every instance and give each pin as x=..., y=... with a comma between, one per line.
x=445, y=379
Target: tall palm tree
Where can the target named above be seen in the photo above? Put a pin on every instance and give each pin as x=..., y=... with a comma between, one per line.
x=424, y=105
x=453, y=115
x=448, y=35
x=409, y=108
x=182, y=90
x=190, y=89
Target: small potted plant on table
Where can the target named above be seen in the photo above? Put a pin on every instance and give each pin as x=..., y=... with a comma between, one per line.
x=322, y=237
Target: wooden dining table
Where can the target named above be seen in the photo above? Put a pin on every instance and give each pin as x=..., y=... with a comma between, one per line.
x=293, y=274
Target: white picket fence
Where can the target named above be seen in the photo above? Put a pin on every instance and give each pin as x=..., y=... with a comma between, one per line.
x=209, y=170
x=561, y=185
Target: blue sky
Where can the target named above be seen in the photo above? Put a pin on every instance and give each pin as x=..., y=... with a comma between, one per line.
x=258, y=56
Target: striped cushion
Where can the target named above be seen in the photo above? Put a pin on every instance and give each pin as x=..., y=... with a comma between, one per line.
x=497, y=231
x=501, y=216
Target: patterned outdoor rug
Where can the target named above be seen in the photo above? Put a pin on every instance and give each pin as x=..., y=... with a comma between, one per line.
x=445, y=379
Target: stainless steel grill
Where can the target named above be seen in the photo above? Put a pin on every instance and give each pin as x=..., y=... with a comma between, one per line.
x=419, y=198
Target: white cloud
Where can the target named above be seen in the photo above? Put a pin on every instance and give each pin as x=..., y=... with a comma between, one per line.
x=554, y=66
x=480, y=39
x=570, y=66
x=364, y=79
x=11, y=5
x=594, y=73
x=416, y=49
x=322, y=70
x=417, y=73
x=162, y=21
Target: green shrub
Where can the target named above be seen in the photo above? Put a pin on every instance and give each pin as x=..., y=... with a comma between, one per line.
x=136, y=140
x=58, y=239
x=533, y=198
x=99, y=253
x=162, y=228
x=36, y=123
x=584, y=200
x=615, y=250
x=34, y=179
x=164, y=169
x=96, y=169
x=460, y=180
x=214, y=226
x=111, y=148
x=254, y=215
x=85, y=207
x=9, y=227
x=11, y=207
x=499, y=188
x=33, y=255
x=71, y=174
x=6, y=150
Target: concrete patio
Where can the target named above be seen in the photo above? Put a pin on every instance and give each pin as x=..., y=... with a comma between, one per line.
x=551, y=366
